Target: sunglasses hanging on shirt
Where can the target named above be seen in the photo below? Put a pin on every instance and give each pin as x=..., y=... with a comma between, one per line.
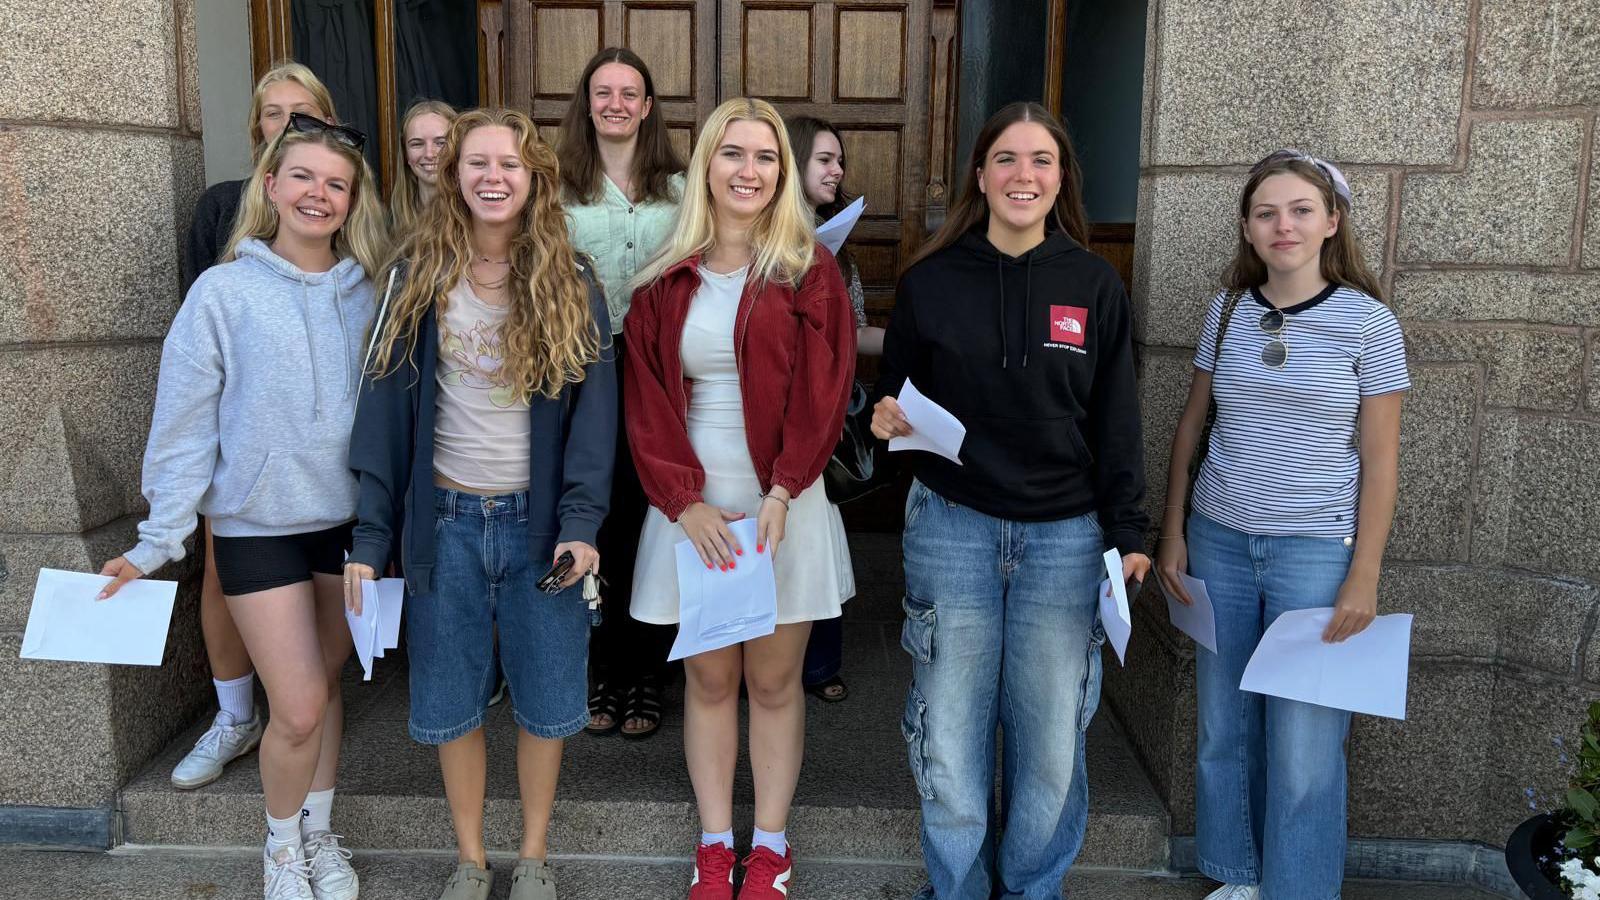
x=1275, y=355
x=344, y=134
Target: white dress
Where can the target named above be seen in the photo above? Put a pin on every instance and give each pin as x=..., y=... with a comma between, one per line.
x=812, y=566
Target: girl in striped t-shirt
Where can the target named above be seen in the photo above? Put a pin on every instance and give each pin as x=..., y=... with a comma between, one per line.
x=1291, y=510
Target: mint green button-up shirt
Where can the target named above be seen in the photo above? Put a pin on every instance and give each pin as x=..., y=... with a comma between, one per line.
x=620, y=235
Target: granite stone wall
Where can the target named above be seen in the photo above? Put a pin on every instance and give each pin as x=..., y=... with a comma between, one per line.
x=100, y=167
x=1467, y=130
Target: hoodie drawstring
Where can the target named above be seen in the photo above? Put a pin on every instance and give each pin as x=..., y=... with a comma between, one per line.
x=311, y=350
x=344, y=331
x=1000, y=276
x=1027, y=310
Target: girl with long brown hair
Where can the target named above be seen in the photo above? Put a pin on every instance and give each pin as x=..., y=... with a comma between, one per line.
x=1006, y=320
x=483, y=446
x=1290, y=511
x=622, y=184
x=253, y=410
x=422, y=137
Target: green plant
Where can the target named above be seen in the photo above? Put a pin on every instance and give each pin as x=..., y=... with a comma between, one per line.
x=1580, y=815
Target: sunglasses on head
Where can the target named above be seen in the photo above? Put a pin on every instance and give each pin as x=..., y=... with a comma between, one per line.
x=344, y=134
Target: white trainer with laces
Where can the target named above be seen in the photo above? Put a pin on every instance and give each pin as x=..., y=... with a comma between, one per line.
x=224, y=742
x=331, y=875
x=1235, y=892
x=288, y=875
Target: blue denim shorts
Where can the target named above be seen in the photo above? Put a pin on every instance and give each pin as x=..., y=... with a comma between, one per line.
x=485, y=572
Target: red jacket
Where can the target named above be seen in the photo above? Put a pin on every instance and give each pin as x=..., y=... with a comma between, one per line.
x=796, y=352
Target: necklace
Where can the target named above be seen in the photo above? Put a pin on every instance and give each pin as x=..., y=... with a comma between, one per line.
x=494, y=262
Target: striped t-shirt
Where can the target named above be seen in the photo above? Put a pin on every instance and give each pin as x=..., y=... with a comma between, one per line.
x=1283, y=458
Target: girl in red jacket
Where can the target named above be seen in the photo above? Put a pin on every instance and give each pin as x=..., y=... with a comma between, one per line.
x=741, y=350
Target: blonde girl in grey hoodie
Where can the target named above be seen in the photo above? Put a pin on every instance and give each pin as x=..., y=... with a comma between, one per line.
x=251, y=429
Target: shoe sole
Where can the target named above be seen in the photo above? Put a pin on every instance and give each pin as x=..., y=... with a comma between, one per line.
x=189, y=785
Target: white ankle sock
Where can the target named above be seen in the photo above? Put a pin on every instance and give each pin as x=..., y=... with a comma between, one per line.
x=776, y=841
x=282, y=833
x=316, y=812
x=725, y=838
x=237, y=697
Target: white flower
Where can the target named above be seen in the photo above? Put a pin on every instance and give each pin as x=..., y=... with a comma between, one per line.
x=1573, y=871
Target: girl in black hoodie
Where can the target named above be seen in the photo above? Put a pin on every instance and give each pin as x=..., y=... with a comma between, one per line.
x=1008, y=322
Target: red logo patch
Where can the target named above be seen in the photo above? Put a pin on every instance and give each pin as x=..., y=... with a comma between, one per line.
x=1068, y=324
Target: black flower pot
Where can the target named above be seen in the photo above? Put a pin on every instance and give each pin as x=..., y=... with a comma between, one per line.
x=1539, y=836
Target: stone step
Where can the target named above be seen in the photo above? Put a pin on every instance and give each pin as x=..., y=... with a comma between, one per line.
x=190, y=874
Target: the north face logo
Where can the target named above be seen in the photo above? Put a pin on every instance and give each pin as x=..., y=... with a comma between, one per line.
x=1067, y=324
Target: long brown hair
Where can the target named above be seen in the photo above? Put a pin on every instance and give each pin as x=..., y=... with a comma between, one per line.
x=971, y=207
x=654, y=159
x=1341, y=259
x=549, y=333
x=405, y=202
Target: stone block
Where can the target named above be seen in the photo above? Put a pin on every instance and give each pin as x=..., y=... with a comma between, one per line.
x=1538, y=498
x=1154, y=699
x=1591, y=230
x=1414, y=778
x=1492, y=616
x=78, y=417
x=1513, y=205
x=1592, y=378
x=56, y=728
x=1546, y=299
x=1436, y=439
x=189, y=75
x=99, y=261
x=120, y=66
x=1350, y=82
x=1163, y=391
x=1530, y=714
x=1534, y=53
x=1525, y=368
x=23, y=555
x=1188, y=232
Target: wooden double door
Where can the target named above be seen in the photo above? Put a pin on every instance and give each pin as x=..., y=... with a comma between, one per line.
x=864, y=65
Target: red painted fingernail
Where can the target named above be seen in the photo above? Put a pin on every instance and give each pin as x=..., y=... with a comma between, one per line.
x=759, y=548
x=733, y=565
x=708, y=565
x=739, y=552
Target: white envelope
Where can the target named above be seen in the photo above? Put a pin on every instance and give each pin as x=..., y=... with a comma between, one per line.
x=933, y=428
x=1115, y=615
x=719, y=608
x=364, y=632
x=388, y=595
x=67, y=623
x=836, y=230
x=1198, y=621
x=1364, y=674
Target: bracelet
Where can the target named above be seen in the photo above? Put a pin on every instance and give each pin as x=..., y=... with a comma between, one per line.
x=771, y=496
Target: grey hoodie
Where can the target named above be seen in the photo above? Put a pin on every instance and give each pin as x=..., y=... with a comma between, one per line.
x=254, y=404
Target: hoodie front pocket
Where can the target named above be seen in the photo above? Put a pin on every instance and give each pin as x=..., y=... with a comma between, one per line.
x=299, y=487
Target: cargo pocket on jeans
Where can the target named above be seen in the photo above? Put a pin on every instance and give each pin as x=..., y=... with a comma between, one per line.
x=913, y=727
x=916, y=635
x=1089, y=702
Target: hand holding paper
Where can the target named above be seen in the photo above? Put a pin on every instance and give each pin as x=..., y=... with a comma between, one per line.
x=1198, y=621
x=376, y=627
x=722, y=607
x=1115, y=615
x=1366, y=673
x=933, y=428
x=67, y=622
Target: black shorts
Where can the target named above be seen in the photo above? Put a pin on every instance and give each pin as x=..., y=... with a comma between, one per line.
x=246, y=565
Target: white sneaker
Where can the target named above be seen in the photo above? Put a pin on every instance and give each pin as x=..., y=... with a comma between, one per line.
x=288, y=875
x=1235, y=892
x=331, y=875
x=224, y=742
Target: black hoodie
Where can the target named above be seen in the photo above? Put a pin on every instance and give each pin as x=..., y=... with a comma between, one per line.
x=1034, y=354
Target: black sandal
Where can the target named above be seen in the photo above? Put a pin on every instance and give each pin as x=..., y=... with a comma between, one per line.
x=820, y=690
x=605, y=701
x=643, y=702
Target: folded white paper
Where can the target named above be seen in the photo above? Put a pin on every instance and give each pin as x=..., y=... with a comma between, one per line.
x=719, y=608
x=67, y=623
x=1198, y=621
x=389, y=596
x=933, y=428
x=1364, y=674
x=364, y=631
x=1115, y=615
x=836, y=230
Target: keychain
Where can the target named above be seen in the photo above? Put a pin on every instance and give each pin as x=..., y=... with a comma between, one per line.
x=591, y=590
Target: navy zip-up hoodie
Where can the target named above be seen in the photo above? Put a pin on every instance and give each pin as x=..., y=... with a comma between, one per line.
x=573, y=442
x=1034, y=354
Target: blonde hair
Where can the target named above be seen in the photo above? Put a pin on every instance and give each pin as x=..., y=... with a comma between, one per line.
x=405, y=201
x=782, y=237
x=550, y=335
x=363, y=234
x=287, y=71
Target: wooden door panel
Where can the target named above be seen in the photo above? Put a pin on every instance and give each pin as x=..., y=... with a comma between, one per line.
x=564, y=37
x=776, y=44
x=869, y=55
x=660, y=36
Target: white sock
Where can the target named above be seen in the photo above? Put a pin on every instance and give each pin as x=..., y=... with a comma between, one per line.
x=282, y=833
x=317, y=811
x=776, y=841
x=725, y=838
x=237, y=697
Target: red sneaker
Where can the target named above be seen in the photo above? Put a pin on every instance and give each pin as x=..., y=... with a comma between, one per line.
x=713, y=873
x=766, y=874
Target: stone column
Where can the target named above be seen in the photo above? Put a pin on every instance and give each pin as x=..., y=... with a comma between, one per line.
x=100, y=167
x=1467, y=130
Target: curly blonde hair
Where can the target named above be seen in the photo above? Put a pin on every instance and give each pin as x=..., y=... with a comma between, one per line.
x=550, y=334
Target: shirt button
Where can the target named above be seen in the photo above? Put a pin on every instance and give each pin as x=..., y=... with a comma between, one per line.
x=630, y=210
x=630, y=245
